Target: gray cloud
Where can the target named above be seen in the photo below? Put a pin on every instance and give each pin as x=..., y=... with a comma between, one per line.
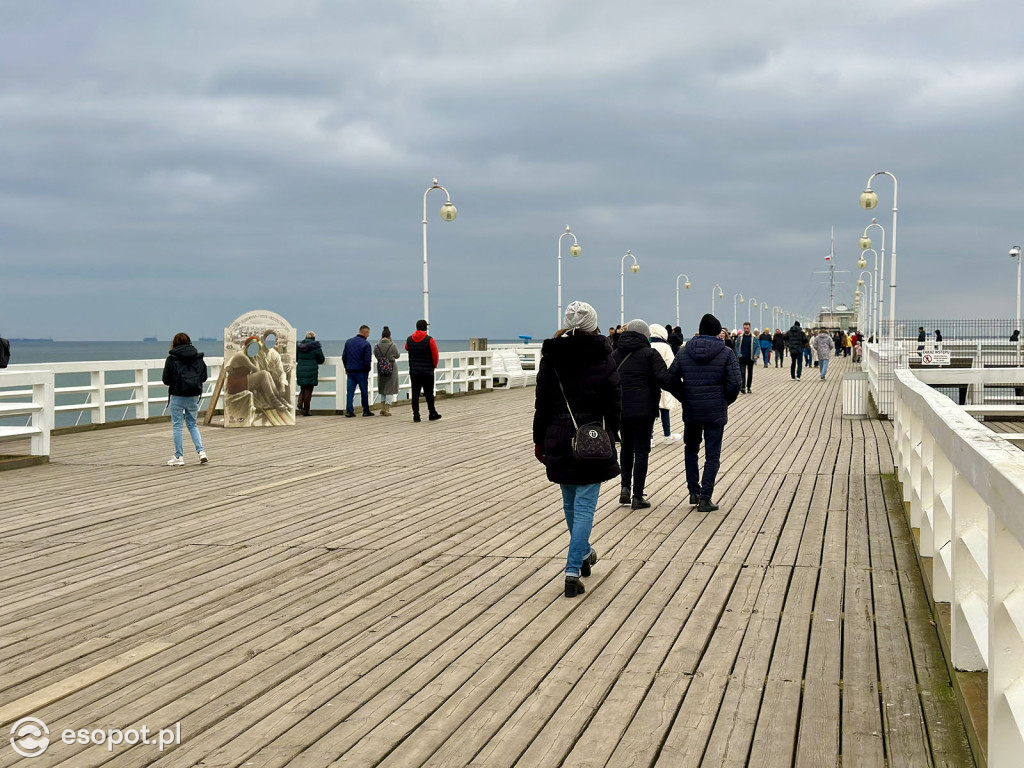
x=168, y=166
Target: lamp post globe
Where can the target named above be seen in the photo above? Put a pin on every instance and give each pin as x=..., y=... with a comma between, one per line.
x=864, y=243
x=575, y=249
x=686, y=285
x=449, y=212
x=862, y=262
x=721, y=295
x=634, y=268
x=868, y=199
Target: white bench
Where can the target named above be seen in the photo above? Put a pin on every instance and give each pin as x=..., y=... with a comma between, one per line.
x=513, y=368
x=503, y=375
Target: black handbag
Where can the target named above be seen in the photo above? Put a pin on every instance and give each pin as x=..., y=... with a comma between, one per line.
x=591, y=441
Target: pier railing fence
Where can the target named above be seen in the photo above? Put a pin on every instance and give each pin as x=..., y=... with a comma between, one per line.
x=99, y=392
x=964, y=485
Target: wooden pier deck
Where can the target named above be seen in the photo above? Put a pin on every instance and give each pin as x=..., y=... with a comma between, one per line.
x=383, y=593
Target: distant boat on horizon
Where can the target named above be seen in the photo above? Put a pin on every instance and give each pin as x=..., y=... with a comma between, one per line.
x=207, y=338
x=150, y=338
x=33, y=341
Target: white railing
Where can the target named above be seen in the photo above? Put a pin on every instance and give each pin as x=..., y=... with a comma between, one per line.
x=29, y=394
x=965, y=487
x=133, y=387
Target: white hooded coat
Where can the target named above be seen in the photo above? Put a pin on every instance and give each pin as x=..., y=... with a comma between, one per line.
x=665, y=350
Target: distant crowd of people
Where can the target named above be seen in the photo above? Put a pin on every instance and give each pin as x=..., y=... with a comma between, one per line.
x=185, y=372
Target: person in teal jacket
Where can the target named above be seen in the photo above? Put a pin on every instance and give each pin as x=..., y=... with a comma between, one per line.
x=309, y=356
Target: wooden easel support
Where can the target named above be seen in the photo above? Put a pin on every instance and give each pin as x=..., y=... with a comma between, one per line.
x=212, y=407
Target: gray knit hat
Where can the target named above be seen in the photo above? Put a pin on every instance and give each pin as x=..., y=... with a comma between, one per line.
x=580, y=316
x=639, y=326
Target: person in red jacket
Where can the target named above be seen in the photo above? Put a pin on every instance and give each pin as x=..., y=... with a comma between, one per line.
x=423, y=359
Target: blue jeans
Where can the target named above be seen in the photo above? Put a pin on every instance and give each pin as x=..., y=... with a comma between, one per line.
x=360, y=379
x=693, y=434
x=184, y=409
x=823, y=366
x=579, y=503
x=808, y=357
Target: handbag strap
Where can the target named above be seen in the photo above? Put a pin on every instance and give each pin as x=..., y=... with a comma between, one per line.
x=564, y=397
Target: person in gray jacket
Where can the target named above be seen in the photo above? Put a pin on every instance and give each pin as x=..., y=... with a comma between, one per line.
x=822, y=346
x=387, y=383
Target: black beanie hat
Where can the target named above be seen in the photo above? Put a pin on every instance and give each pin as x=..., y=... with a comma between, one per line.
x=709, y=326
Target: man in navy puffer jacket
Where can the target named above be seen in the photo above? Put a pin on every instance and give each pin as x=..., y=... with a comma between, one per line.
x=711, y=382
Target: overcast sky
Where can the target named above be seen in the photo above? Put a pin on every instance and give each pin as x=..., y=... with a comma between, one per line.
x=170, y=165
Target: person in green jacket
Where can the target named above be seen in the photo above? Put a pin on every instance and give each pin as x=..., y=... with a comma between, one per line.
x=309, y=357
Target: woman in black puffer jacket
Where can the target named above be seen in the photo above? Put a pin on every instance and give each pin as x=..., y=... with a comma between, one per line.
x=642, y=376
x=578, y=361
x=309, y=356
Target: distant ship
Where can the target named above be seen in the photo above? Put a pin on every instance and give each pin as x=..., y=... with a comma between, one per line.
x=208, y=338
x=150, y=338
x=33, y=341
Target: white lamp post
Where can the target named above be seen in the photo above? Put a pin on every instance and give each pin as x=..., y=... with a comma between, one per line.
x=871, y=291
x=869, y=201
x=776, y=311
x=448, y=213
x=1015, y=254
x=865, y=245
x=634, y=268
x=574, y=250
x=750, y=306
x=742, y=301
x=717, y=289
x=686, y=285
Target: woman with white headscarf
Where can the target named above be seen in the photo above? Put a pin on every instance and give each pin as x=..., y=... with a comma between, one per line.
x=660, y=343
x=576, y=372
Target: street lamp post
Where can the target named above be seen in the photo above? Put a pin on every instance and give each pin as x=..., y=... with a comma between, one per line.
x=1015, y=254
x=865, y=245
x=869, y=201
x=742, y=301
x=750, y=306
x=686, y=285
x=634, y=268
x=717, y=289
x=776, y=311
x=448, y=213
x=868, y=306
x=574, y=250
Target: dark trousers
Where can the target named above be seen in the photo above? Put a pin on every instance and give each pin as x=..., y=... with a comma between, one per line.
x=358, y=379
x=693, y=434
x=666, y=424
x=779, y=357
x=746, y=372
x=305, y=398
x=635, y=451
x=796, y=364
x=422, y=382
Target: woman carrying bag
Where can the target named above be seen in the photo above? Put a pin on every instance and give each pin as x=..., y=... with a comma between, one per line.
x=575, y=423
x=386, y=354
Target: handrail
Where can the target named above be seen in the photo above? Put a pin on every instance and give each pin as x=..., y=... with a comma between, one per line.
x=38, y=408
x=965, y=487
x=140, y=395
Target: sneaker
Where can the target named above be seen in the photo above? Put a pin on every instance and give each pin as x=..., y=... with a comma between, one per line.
x=749, y=391
x=639, y=502
x=177, y=461
x=369, y=413
x=202, y=457
x=350, y=414
x=416, y=417
x=624, y=495
x=673, y=438
x=434, y=416
x=694, y=499
x=706, y=506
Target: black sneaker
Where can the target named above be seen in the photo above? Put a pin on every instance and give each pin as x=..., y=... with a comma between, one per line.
x=639, y=502
x=706, y=506
x=416, y=417
x=624, y=495
x=587, y=562
x=694, y=499
x=573, y=586
x=434, y=416
x=350, y=414
x=369, y=413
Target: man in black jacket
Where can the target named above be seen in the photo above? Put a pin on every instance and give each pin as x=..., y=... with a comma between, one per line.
x=423, y=357
x=796, y=340
x=711, y=382
x=642, y=376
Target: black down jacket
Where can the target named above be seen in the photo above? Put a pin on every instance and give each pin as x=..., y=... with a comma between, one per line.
x=642, y=376
x=796, y=339
x=584, y=365
x=711, y=380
